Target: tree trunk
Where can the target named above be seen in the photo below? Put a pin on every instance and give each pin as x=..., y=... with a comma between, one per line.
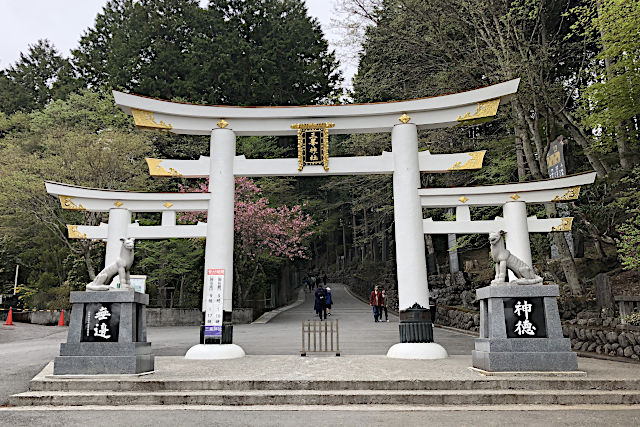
x=432, y=264
x=526, y=141
x=354, y=238
x=181, y=295
x=621, y=132
x=566, y=259
x=344, y=246
x=366, y=234
x=162, y=292
x=522, y=169
x=86, y=254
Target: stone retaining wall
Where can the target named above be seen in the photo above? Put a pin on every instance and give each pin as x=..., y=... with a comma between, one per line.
x=191, y=317
x=40, y=317
x=454, y=317
x=607, y=339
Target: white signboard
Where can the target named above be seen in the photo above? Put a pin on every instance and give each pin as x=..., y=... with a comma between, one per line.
x=138, y=282
x=213, y=302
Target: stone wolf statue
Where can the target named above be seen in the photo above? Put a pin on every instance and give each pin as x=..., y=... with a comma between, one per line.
x=504, y=259
x=121, y=267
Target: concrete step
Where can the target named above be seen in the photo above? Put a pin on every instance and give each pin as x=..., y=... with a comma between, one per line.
x=141, y=384
x=329, y=397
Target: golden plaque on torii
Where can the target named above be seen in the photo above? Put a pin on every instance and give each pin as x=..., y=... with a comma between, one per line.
x=313, y=144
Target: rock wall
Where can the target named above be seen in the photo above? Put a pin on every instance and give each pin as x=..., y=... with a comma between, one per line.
x=468, y=320
x=603, y=336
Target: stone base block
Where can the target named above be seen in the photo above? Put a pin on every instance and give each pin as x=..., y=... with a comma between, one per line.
x=423, y=350
x=214, y=352
x=525, y=361
x=551, y=345
x=106, y=365
x=107, y=335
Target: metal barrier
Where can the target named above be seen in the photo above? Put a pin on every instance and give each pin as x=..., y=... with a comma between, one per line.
x=319, y=337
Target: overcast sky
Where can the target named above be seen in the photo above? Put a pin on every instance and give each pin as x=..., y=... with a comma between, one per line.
x=24, y=22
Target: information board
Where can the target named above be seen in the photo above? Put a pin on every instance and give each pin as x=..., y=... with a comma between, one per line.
x=214, y=302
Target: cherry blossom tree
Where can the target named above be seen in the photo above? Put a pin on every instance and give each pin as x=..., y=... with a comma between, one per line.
x=262, y=232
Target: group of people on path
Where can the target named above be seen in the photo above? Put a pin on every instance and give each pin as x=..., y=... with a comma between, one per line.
x=323, y=302
x=378, y=301
x=310, y=281
x=322, y=294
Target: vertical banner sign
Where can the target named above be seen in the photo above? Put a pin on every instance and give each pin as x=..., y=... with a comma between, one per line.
x=557, y=169
x=214, y=302
x=555, y=159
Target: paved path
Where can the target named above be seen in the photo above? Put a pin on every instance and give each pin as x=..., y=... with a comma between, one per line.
x=359, y=334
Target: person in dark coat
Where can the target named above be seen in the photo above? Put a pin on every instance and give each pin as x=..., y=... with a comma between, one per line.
x=324, y=279
x=329, y=301
x=321, y=298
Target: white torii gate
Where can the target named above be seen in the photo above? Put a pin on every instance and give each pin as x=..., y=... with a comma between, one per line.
x=513, y=198
x=403, y=119
x=224, y=123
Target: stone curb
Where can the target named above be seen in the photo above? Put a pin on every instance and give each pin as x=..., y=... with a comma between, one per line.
x=266, y=317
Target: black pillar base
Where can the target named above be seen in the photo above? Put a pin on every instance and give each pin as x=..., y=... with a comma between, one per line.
x=227, y=336
x=415, y=325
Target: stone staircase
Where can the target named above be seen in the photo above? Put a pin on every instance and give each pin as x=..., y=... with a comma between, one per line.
x=481, y=391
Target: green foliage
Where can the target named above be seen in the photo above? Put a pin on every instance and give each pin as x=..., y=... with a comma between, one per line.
x=174, y=270
x=612, y=97
x=86, y=141
x=35, y=79
x=633, y=318
x=235, y=52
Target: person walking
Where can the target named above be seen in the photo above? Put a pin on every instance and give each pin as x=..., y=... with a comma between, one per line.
x=325, y=279
x=329, y=301
x=384, y=306
x=321, y=297
x=375, y=301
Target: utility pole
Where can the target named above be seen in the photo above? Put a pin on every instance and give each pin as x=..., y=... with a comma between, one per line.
x=15, y=282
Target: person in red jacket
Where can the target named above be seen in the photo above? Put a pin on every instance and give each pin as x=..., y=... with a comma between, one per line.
x=376, y=301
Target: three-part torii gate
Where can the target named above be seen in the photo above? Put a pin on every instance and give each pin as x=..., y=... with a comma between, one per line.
x=403, y=119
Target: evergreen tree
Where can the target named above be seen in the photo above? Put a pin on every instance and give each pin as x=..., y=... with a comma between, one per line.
x=234, y=52
x=35, y=79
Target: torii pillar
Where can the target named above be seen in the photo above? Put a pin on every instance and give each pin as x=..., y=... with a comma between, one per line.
x=416, y=330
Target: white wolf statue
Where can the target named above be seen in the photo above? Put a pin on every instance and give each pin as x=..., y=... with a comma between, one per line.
x=121, y=267
x=504, y=259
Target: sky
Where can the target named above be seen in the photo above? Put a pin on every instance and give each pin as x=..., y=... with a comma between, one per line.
x=24, y=22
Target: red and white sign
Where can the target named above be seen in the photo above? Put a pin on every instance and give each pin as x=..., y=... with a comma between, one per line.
x=214, y=288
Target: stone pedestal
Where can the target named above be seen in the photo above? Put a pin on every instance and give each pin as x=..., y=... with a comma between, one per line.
x=107, y=335
x=520, y=330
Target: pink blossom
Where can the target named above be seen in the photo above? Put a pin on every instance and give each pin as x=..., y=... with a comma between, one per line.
x=260, y=229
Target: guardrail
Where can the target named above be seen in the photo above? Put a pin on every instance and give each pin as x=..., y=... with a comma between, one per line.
x=319, y=337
